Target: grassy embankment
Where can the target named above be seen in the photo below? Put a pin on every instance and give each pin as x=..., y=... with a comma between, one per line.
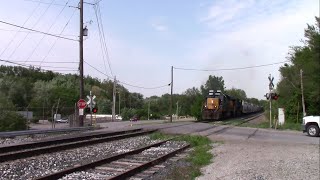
x=262, y=124
x=199, y=157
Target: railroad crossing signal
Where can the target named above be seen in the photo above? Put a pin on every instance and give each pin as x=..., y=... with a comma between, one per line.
x=91, y=101
x=271, y=85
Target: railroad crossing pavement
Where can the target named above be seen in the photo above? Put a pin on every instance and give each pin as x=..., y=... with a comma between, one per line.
x=212, y=131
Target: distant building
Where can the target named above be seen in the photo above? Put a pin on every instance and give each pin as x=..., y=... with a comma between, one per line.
x=26, y=114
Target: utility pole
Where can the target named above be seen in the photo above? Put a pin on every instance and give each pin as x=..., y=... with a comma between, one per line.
x=148, y=109
x=302, y=95
x=119, y=103
x=81, y=117
x=171, y=94
x=91, y=104
x=114, y=99
x=177, y=110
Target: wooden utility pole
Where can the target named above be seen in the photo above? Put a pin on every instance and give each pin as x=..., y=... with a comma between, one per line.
x=171, y=94
x=149, y=109
x=114, y=99
x=81, y=117
x=119, y=103
x=302, y=95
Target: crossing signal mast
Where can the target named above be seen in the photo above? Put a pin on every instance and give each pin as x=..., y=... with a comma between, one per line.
x=271, y=86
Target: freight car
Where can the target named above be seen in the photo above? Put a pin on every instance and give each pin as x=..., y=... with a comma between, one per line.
x=219, y=106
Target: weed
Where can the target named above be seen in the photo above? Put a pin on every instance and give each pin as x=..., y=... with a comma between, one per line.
x=199, y=157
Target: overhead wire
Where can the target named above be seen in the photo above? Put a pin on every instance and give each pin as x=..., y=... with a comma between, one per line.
x=104, y=39
x=32, y=65
x=34, y=25
x=15, y=35
x=124, y=83
x=49, y=34
x=19, y=31
x=51, y=62
x=230, y=69
x=103, y=43
x=53, y=23
x=100, y=38
x=55, y=4
x=58, y=38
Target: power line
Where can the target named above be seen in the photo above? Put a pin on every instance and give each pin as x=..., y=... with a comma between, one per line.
x=34, y=25
x=57, y=38
x=102, y=38
x=49, y=34
x=41, y=2
x=55, y=20
x=31, y=65
x=124, y=83
x=230, y=69
x=15, y=35
x=52, y=62
x=12, y=30
x=101, y=43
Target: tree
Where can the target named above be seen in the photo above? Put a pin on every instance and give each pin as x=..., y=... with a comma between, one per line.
x=213, y=83
x=236, y=93
x=307, y=58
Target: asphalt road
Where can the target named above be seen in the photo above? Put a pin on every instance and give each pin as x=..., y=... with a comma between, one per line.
x=214, y=132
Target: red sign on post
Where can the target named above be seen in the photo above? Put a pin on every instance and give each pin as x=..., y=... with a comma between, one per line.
x=81, y=104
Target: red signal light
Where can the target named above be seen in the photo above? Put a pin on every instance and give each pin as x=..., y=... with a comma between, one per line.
x=275, y=96
x=94, y=110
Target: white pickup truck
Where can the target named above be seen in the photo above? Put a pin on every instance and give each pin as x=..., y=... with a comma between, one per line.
x=311, y=125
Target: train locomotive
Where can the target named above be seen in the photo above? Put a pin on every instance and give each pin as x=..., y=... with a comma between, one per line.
x=218, y=106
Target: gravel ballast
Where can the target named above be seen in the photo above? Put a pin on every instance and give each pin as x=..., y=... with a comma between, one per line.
x=37, y=166
x=35, y=137
x=262, y=161
x=146, y=155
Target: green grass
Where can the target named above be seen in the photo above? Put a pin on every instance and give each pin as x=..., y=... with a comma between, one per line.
x=286, y=126
x=199, y=157
x=290, y=126
x=261, y=125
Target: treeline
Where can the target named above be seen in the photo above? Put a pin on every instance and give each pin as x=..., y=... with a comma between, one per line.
x=30, y=89
x=307, y=59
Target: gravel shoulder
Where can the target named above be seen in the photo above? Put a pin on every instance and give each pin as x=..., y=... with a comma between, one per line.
x=263, y=160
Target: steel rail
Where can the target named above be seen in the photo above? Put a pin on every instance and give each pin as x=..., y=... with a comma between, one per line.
x=44, y=150
x=11, y=134
x=93, y=164
x=37, y=144
x=144, y=166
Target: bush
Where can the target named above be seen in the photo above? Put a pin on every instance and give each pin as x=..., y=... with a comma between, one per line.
x=11, y=121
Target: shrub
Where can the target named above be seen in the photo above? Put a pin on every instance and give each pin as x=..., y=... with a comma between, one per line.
x=11, y=121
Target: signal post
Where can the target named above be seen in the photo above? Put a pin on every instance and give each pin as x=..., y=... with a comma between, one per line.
x=271, y=86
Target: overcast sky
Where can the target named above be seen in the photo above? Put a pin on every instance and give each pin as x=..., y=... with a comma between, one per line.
x=145, y=38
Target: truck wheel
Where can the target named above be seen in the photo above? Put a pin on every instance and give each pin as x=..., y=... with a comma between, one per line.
x=313, y=130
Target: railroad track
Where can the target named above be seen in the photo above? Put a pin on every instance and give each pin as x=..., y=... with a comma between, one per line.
x=30, y=149
x=123, y=165
x=13, y=134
